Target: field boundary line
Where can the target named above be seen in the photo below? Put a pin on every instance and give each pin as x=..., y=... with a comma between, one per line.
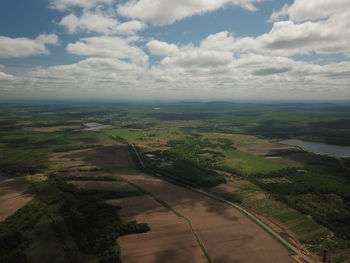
x=256, y=220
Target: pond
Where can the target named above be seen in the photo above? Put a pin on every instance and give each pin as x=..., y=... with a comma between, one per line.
x=320, y=148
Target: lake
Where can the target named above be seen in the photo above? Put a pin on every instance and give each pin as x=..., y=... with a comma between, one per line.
x=320, y=148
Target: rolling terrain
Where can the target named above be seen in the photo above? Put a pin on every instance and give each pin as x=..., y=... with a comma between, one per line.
x=84, y=195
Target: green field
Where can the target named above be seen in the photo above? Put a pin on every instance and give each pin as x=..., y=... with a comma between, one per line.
x=195, y=143
x=247, y=164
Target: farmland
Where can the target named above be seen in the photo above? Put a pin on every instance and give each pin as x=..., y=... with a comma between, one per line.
x=230, y=149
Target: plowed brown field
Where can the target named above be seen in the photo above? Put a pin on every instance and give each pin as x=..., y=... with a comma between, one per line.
x=12, y=196
x=228, y=235
x=170, y=239
x=103, y=185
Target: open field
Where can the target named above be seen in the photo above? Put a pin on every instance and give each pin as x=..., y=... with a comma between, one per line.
x=12, y=196
x=57, y=128
x=102, y=185
x=107, y=158
x=82, y=174
x=170, y=239
x=223, y=229
x=264, y=148
x=228, y=235
x=246, y=163
x=304, y=194
x=290, y=223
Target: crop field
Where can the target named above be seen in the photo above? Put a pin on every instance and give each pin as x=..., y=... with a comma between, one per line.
x=231, y=149
x=302, y=227
x=12, y=196
x=247, y=164
x=264, y=148
x=170, y=239
x=106, y=158
x=102, y=185
x=227, y=234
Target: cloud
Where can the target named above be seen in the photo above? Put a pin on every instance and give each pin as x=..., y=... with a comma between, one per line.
x=302, y=10
x=162, y=12
x=62, y=5
x=105, y=46
x=222, y=65
x=280, y=14
x=221, y=60
x=189, y=74
x=4, y=77
x=197, y=58
x=288, y=38
x=130, y=27
x=270, y=71
x=160, y=48
x=93, y=76
x=92, y=22
x=328, y=32
x=320, y=26
x=25, y=47
x=94, y=69
x=99, y=22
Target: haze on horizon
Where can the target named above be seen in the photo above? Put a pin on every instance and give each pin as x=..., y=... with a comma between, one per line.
x=225, y=49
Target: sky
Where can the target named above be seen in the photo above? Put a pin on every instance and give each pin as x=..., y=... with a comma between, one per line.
x=200, y=49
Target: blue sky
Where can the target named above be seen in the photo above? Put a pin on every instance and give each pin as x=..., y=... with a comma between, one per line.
x=283, y=49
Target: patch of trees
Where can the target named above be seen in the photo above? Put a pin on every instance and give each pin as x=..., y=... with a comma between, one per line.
x=336, y=132
x=322, y=192
x=193, y=149
x=192, y=174
x=184, y=171
x=92, y=224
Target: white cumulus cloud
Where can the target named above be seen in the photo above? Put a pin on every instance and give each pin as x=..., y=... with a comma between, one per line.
x=162, y=12
x=6, y=77
x=106, y=46
x=67, y=4
x=160, y=48
x=302, y=10
x=26, y=47
x=99, y=22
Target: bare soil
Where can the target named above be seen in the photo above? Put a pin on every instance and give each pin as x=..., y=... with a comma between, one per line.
x=103, y=185
x=284, y=159
x=264, y=148
x=170, y=239
x=84, y=174
x=12, y=196
x=228, y=235
x=57, y=128
x=110, y=157
x=223, y=189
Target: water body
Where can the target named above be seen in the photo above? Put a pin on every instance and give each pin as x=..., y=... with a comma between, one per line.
x=320, y=148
